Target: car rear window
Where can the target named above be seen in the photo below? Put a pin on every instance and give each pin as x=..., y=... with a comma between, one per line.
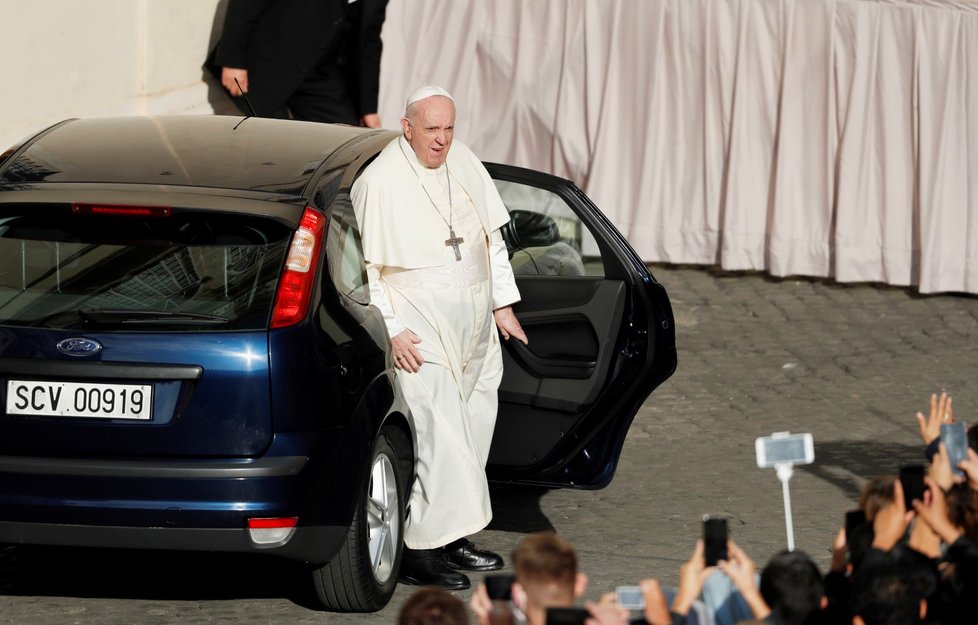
x=182, y=271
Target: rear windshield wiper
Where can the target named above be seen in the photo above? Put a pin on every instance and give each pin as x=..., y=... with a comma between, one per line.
x=142, y=316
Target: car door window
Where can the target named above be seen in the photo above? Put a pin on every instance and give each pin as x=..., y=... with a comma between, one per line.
x=344, y=253
x=545, y=236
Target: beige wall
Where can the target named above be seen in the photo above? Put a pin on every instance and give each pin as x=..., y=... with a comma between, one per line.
x=88, y=58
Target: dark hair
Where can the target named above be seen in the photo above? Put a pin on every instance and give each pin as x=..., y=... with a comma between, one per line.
x=889, y=591
x=962, y=509
x=973, y=437
x=876, y=495
x=431, y=606
x=792, y=587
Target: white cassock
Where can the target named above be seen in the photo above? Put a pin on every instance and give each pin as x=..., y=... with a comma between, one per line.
x=405, y=218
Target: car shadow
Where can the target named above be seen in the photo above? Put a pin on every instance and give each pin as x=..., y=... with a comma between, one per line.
x=188, y=576
x=517, y=509
x=149, y=574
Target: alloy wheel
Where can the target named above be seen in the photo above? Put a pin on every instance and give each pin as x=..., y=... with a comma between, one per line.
x=383, y=518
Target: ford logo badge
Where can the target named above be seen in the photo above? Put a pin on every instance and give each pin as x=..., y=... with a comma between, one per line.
x=78, y=346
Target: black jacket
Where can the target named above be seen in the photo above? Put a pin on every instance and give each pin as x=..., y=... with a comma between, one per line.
x=280, y=41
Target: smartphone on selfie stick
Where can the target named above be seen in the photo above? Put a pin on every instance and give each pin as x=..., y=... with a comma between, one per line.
x=783, y=450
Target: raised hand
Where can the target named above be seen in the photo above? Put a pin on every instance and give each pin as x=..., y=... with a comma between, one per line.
x=940, y=412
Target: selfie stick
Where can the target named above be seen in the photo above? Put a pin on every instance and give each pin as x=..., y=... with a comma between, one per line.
x=785, y=470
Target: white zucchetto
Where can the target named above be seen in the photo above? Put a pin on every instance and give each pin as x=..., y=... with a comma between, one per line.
x=426, y=92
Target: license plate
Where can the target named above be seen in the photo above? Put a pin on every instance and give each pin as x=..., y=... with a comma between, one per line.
x=77, y=399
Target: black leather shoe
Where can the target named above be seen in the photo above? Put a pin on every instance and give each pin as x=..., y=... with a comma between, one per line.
x=462, y=554
x=427, y=567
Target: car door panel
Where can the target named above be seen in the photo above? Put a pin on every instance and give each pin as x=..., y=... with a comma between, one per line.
x=600, y=338
x=570, y=341
x=547, y=384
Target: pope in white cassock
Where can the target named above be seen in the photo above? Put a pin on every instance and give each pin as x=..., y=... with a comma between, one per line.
x=437, y=268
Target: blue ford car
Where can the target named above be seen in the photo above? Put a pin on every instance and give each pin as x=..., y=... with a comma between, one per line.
x=189, y=358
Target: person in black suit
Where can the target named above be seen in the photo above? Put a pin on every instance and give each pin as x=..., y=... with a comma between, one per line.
x=316, y=60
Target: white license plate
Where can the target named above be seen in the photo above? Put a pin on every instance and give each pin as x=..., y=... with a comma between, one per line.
x=75, y=399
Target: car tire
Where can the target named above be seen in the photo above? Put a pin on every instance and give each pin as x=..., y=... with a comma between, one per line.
x=362, y=576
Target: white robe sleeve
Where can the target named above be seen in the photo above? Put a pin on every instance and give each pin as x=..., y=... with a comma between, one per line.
x=504, y=291
x=378, y=297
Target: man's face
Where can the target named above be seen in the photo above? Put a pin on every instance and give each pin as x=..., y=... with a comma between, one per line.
x=430, y=129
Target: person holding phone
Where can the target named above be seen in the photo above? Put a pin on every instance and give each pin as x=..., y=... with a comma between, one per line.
x=547, y=576
x=693, y=576
x=941, y=414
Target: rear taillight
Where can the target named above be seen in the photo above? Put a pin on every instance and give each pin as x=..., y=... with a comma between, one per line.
x=295, y=287
x=270, y=532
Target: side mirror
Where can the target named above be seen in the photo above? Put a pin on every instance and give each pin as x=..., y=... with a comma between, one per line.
x=529, y=229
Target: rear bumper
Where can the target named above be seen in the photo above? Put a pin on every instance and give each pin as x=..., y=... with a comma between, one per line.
x=185, y=504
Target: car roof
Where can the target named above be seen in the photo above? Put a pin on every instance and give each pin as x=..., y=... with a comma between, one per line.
x=251, y=154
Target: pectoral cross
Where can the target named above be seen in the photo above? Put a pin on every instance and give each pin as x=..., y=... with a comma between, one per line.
x=453, y=241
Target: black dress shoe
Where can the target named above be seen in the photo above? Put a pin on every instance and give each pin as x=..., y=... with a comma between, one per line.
x=427, y=567
x=462, y=554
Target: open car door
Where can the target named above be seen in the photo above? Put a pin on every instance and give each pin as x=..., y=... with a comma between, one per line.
x=601, y=337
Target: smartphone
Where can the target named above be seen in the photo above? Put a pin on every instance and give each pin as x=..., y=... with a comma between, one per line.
x=714, y=539
x=854, y=518
x=955, y=440
x=912, y=480
x=499, y=587
x=567, y=616
x=630, y=597
x=784, y=448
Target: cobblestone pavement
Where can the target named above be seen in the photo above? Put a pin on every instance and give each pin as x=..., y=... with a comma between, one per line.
x=850, y=364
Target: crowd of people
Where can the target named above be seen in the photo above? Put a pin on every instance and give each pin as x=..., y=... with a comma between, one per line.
x=900, y=560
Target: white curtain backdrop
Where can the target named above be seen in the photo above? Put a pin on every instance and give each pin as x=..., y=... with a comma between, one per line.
x=832, y=138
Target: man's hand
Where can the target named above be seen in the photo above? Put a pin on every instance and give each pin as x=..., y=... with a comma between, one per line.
x=481, y=605
x=228, y=74
x=656, y=608
x=370, y=120
x=839, y=547
x=692, y=575
x=406, y=355
x=940, y=468
x=934, y=513
x=741, y=570
x=940, y=412
x=891, y=522
x=606, y=612
x=508, y=324
x=923, y=538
